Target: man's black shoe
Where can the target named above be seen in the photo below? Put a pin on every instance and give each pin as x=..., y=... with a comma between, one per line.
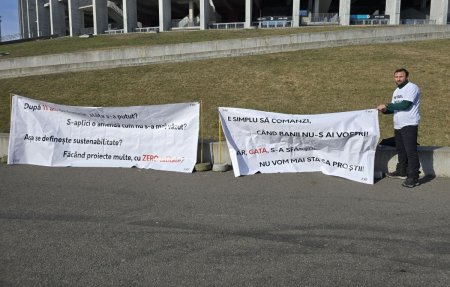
x=411, y=182
x=396, y=174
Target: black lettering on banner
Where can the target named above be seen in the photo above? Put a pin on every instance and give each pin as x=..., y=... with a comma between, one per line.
x=33, y=108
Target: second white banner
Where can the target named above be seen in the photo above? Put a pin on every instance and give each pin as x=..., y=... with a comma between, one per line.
x=340, y=144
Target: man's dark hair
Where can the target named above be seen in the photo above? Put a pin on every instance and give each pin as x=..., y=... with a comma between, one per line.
x=402, y=70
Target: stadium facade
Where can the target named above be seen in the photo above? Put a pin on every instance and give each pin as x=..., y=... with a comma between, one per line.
x=75, y=17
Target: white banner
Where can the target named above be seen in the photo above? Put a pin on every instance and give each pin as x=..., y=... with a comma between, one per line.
x=163, y=137
x=339, y=144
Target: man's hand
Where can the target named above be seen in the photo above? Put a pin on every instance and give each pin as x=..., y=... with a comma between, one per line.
x=382, y=108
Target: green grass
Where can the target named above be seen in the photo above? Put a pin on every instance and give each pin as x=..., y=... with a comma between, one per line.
x=72, y=44
x=302, y=82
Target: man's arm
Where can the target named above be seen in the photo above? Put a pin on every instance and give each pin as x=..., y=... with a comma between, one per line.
x=400, y=106
x=389, y=108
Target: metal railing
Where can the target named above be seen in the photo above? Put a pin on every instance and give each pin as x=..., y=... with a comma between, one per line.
x=417, y=22
x=324, y=18
x=12, y=37
x=370, y=22
x=273, y=24
x=17, y=38
x=114, y=31
x=231, y=25
x=146, y=29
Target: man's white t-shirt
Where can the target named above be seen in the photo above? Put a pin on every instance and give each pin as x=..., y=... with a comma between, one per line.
x=410, y=117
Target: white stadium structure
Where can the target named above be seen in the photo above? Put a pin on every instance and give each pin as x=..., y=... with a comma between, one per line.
x=40, y=18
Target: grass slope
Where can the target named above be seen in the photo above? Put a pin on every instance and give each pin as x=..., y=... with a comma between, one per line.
x=303, y=82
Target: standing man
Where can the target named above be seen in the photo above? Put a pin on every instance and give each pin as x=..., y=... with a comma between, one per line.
x=405, y=107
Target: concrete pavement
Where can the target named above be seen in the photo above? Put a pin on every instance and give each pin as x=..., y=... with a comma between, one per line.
x=131, y=227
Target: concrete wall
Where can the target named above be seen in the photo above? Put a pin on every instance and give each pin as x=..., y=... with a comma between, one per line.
x=204, y=14
x=165, y=17
x=4, y=141
x=248, y=13
x=75, y=15
x=439, y=11
x=129, y=15
x=435, y=161
x=121, y=57
x=57, y=18
x=344, y=12
x=296, y=13
x=27, y=18
x=100, y=14
x=393, y=10
x=43, y=18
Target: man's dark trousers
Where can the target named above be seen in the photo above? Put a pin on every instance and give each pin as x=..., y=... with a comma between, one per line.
x=406, y=145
